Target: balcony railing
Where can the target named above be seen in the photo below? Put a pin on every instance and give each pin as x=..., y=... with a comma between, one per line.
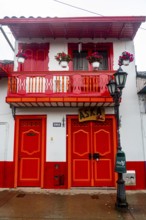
x=59, y=83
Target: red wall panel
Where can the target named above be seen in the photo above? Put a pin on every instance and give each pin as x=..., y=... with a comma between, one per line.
x=140, y=171
x=6, y=174
x=55, y=176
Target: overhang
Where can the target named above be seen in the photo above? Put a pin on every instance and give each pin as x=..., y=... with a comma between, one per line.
x=6, y=66
x=74, y=27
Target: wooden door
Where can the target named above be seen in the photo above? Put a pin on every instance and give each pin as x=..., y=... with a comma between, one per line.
x=103, y=153
x=80, y=149
x=29, y=152
x=92, y=153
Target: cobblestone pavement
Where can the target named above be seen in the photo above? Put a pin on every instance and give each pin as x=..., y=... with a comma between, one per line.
x=38, y=204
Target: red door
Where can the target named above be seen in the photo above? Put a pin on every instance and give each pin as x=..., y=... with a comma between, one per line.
x=92, y=153
x=29, y=152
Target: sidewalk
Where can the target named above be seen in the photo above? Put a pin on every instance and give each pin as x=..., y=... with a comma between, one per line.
x=39, y=204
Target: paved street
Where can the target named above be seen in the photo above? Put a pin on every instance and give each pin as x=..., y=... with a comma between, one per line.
x=36, y=204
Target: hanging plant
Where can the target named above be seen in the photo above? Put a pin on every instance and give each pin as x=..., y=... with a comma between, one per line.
x=94, y=57
x=63, y=57
x=21, y=57
x=125, y=58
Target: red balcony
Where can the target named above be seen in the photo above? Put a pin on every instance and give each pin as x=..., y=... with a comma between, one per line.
x=6, y=67
x=59, y=88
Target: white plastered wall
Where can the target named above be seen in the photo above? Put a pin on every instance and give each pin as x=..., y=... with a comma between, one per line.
x=6, y=125
x=131, y=133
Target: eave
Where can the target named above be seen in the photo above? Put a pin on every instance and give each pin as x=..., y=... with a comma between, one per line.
x=74, y=27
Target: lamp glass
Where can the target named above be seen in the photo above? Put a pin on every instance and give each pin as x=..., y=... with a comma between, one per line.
x=120, y=77
x=112, y=87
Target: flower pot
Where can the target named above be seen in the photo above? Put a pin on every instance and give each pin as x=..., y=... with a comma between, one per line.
x=21, y=59
x=126, y=62
x=95, y=65
x=64, y=64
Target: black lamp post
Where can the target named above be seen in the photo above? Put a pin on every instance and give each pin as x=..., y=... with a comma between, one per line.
x=115, y=88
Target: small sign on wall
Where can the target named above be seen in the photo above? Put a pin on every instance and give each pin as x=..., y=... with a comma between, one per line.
x=130, y=178
x=56, y=124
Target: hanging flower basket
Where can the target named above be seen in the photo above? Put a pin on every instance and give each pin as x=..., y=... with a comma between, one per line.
x=63, y=59
x=95, y=64
x=95, y=59
x=21, y=56
x=125, y=58
x=64, y=64
x=126, y=62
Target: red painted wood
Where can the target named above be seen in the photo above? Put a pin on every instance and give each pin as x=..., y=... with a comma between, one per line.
x=6, y=68
x=55, y=175
x=29, y=152
x=37, y=57
x=90, y=138
x=102, y=141
x=60, y=84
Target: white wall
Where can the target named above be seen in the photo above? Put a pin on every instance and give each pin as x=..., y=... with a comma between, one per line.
x=6, y=125
x=131, y=133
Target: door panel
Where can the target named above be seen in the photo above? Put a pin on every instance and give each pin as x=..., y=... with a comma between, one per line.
x=103, y=144
x=29, y=152
x=92, y=153
x=80, y=153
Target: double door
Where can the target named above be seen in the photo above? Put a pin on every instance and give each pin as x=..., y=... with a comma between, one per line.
x=92, y=153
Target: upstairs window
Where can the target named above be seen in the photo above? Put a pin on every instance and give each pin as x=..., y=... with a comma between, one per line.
x=79, y=58
x=37, y=57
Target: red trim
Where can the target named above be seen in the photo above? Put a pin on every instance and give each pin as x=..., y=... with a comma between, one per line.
x=31, y=20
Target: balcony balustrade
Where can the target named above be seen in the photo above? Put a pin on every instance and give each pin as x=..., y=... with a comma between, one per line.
x=59, y=84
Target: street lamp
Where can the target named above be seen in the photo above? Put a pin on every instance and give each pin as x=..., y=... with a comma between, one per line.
x=115, y=87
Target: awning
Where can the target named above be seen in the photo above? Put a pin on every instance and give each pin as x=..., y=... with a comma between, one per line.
x=74, y=27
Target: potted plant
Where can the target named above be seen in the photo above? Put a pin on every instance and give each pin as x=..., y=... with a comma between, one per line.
x=125, y=58
x=95, y=59
x=21, y=57
x=63, y=59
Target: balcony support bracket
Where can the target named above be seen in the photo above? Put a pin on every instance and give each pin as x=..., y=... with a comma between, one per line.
x=13, y=108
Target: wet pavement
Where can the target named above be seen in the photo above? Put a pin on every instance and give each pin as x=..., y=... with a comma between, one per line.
x=37, y=204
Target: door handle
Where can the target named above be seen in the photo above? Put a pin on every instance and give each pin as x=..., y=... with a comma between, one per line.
x=96, y=156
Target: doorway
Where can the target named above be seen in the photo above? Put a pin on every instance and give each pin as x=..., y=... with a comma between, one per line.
x=91, y=152
x=29, y=150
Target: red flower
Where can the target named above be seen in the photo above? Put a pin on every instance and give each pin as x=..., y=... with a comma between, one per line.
x=63, y=57
x=125, y=56
x=94, y=57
